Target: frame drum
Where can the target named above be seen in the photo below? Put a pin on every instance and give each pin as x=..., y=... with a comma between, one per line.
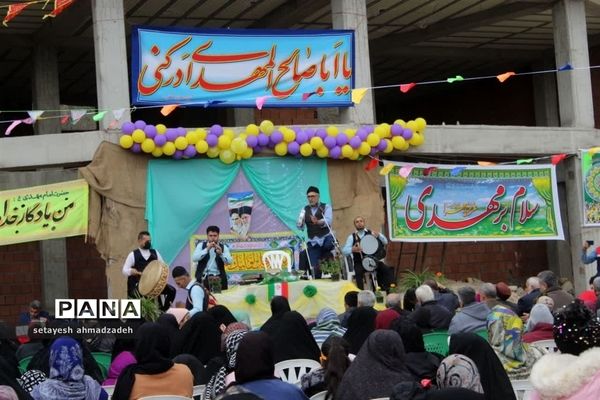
x=153, y=279
x=369, y=244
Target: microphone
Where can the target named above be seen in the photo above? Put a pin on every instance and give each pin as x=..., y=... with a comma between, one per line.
x=300, y=221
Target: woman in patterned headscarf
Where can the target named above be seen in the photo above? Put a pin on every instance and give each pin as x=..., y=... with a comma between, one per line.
x=505, y=331
x=328, y=324
x=67, y=378
x=458, y=370
x=217, y=384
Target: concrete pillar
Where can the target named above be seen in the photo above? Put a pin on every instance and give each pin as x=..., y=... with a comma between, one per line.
x=240, y=116
x=545, y=96
x=571, y=46
x=45, y=88
x=55, y=280
x=112, y=83
x=352, y=14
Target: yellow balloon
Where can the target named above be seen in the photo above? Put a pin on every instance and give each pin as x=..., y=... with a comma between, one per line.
x=421, y=124
x=138, y=136
x=192, y=137
x=252, y=129
x=227, y=156
x=161, y=129
x=126, y=141
x=354, y=155
x=213, y=152
x=201, y=133
x=373, y=139
x=224, y=142
x=332, y=131
x=181, y=143
x=398, y=142
x=388, y=146
x=281, y=149
x=169, y=149
x=238, y=145
x=248, y=153
x=412, y=125
x=379, y=131
x=316, y=143
x=347, y=150
x=201, y=146
x=400, y=122
x=323, y=152
x=364, y=149
x=229, y=133
x=267, y=127
x=243, y=136
x=157, y=152
x=417, y=139
x=289, y=135
x=148, y=145
x=306, y=149
x=350, y=133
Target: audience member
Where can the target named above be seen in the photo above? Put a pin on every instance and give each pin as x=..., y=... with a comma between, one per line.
x=550, y=288
x=532, y=292
x=458, y=370
x=218, y=382
x=503, y=293
x=334, y=363
x=222, y=315
x=34, y=344
x=294, y=340
x=444, y=296
x=31, y=379
x=488, y=295
x=409, y=302
x=182, y=315
x=169, y=322
x=394, y=301
x=429, y=316
x=196, y=368
x=327, y=325
x=235, y=326
x=366, y=298
x=539, y=325
x=589, y=296
x=378, y=367
x=9, y=378
x=420, y=363
x=279, y=306
x=350, y=303
x=360, y=325
x=200, y=337
x=385, y=318
x=67, y=379
x=122, y=361
x=35, y=313
x=8, y=393
x=576, y=329
x=547, y=301
x=472, y=316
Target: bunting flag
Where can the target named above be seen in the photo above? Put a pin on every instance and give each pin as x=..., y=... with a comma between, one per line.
x=59, y=6
x=372, y=164
x=386, y=169
x=404, y=88
x=64, y=119
x=358, y=94
x=13, y=11
x=34, y=115
x=485, y=163
x=118, y=114
x=557, y=158
x=305, y=96
x=12, y=126
x=457, y=78
x=457, y=170
x=525, y=161
x=168, y=109
x=99, y=116
x=260, y=102
x=278, y=289
x=429, y=170
x=566, y=67
x=503, y=77
x=405, y=171
x=77, y=114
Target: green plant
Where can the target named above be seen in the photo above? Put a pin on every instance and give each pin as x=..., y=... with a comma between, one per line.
x=150, y=310
x=410, y=279
x=332, y=267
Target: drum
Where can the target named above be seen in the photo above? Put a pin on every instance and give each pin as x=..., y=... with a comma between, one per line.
x=372, y=247
x=369, y=264
x=153, y=279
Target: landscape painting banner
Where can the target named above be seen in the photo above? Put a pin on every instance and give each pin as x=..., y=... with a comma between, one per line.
x=441, y=203
x=590, y=173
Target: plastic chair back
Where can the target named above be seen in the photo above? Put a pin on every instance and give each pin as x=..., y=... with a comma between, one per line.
x=523, y=389
x=274, y=259
x=292, y=370
x=24, y=363
x=103, y=361
x=198, y=390
x=483, y=333
x=109, y=389
x=436, y=342
x=549, y=345
x=319, y=396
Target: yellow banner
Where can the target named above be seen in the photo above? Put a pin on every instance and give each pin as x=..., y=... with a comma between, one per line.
x=44, y=212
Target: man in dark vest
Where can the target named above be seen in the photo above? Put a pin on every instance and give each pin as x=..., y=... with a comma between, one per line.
x=197, y=296
x=211, y=256
x=352, y=248
x=317, y=217
x=136, y=262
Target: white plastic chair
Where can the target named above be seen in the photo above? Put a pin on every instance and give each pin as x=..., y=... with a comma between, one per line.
x=292, y=370
x=523, y=389
x=166, y=397
x=109, y=389
x=199, y=391
x=319, y=396
x=274, y=260
x=549, y=345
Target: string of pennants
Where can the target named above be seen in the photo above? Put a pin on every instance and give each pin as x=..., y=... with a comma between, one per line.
x=13, y=10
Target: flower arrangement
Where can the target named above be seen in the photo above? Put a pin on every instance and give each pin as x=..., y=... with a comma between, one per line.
x=410, y=279
x=332, y=267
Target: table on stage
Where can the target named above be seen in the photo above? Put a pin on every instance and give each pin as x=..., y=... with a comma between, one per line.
x=328, y=294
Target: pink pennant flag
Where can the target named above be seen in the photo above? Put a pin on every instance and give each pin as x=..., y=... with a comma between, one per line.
x=405, y=171
x=34, y=115
x=76, y=115
x=260, y=101
x=64, y=119
x=407, y=86
x=505, y=76
x=114, y=124
x=12, y=126
x=28, y=121
x=305, y=96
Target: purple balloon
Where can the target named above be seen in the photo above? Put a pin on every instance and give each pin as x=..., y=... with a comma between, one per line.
x=150, y=131
x=310, y=132
x=216, y=130
x=336, y=152
x=263, y=139
x=355, y=142
x=252, y=141
x=128, y=128
x=301, y=137
x=139, y=124
x=212, y=140
x=382, y=145
x=160, y=140
x=396, y=130
x=341, y=139
x=293, y=148
x=321, y=132
x=171, y=134
x=189, y=151
x=181, y=131
x=373, y=151
x=178, y=155
x=369, y=128
x=276, y=137
x=258, y=149
x=362, y=133
x=136, y=148
x=407, y=134
x=329, y=142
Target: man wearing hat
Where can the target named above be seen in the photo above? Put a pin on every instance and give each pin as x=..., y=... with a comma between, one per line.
x=317, y=217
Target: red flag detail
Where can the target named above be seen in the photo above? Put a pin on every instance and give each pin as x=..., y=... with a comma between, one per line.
x=428, y=171
x=59, y=6
x=64, y=119
x=13, y=11
x=372, y=164
x=406, y=87
x=556, y=158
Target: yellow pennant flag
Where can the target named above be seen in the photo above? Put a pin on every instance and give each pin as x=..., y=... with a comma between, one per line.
x=386, y=169
x=358, y=94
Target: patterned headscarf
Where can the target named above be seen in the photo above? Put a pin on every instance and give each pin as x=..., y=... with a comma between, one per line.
x=505, y=330
x=540, y=313
x=30, y=379
x=575, y=329
x=328, y=324
x=216, y=384
x=234, y=326
x=458, y=370
x=67, y=377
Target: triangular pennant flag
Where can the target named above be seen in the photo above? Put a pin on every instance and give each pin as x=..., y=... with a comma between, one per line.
x=213, y=102
x=405, y=171
x=524, y=161
x=386, y=169
x=485, y=163
x=305, y=96
x=407, y=86
x=77, y=114
x=114, y=124
x=168, y=109
x=99, y=116
x=13, y=11
x=429, y=170
x=118, y=114
x=566, y=67
x=505, y=76
x=59, y=6
x=457, y=170
x=34, y=115
x=260, y=101
x=12, y=126
x=556, y=158
x=457, y=78
x=594, y=150
x=64, y=119
x=372, y=164
x=358, y=94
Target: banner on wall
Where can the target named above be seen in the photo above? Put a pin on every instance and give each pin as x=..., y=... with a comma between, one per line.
x=235, y=67
x=590, y=173
x=477, y=204
x=44, y=212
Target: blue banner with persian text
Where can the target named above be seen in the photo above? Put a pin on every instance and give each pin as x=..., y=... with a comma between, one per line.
x=234, y=68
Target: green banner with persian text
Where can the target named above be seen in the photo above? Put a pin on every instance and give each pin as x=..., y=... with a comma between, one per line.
x=590, y=172
x=44, y=212
x=440, y=203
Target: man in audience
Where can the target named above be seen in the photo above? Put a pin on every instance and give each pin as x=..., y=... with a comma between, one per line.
x=532, y=288
x=488, y=295
x=350, y=303
x=35, y=313
x=472, y=316
x=394, y=301
x=366, y=298
x=430, y=315
x=549, y=286
x=503, y=293
x=596, y=287
x=445, y=297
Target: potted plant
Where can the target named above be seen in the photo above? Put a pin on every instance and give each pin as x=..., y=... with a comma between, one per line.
x=214, y=284
x=332, y=267
x=150, y=309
